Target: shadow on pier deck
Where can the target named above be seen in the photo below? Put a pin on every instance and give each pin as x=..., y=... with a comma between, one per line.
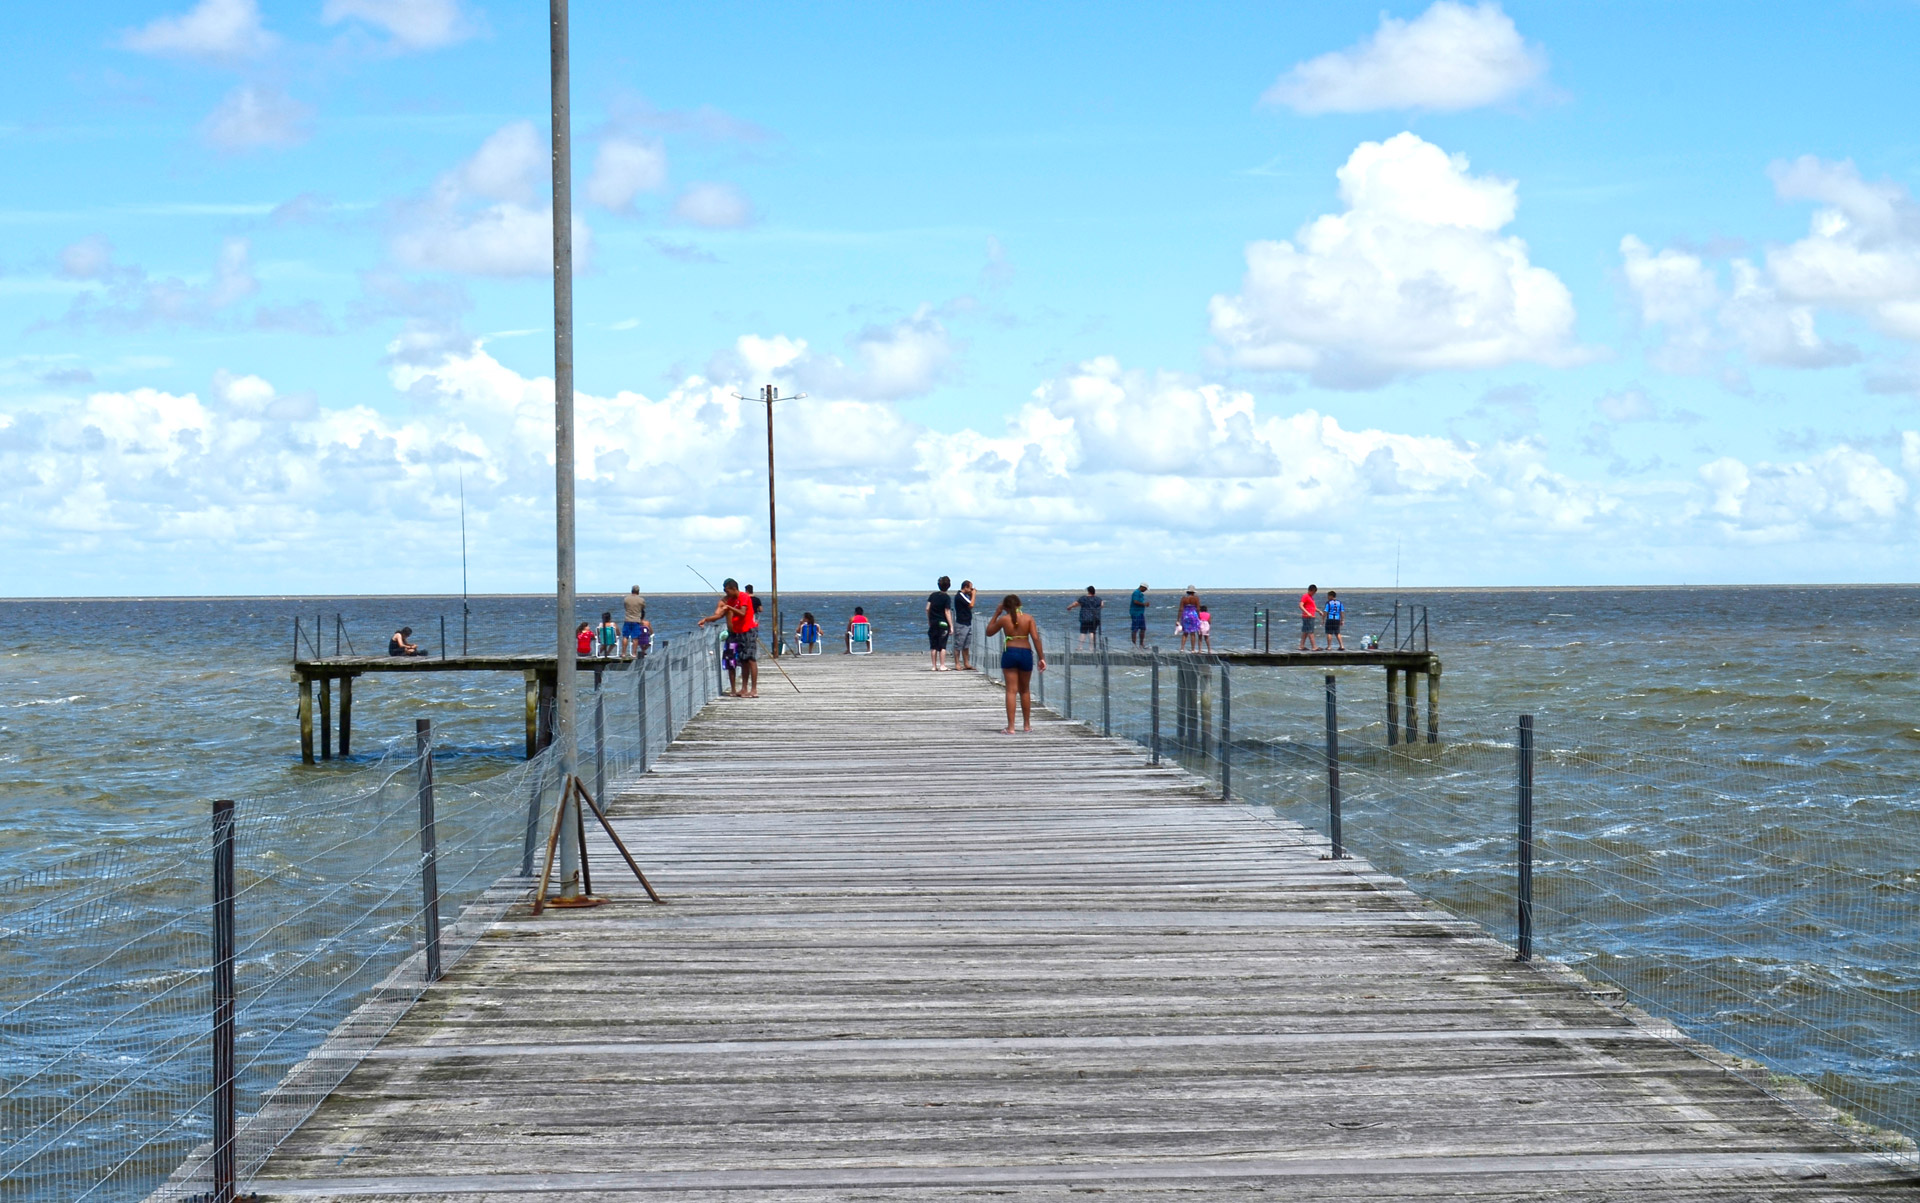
x=908, y=958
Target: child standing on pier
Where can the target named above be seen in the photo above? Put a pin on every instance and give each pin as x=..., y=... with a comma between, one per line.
x=1336, y=615
x=1309, y=611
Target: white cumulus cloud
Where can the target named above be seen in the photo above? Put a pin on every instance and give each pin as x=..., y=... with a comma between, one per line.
x=255, y=117
x=413, y=24
x=1449, y=58
x=454, y=228
x=623, y=168
x=1862, y=252
x=1413, y=276
x=217, y=30
x=1840, y=487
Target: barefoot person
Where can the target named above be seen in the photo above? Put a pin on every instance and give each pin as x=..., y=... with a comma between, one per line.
x=736, y=609
x=1023, y=656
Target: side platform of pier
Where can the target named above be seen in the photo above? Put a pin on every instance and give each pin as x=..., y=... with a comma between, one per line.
x=905, y=957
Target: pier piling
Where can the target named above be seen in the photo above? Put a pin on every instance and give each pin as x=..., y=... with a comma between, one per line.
x=1393, y=707
x=346, y=716
x=326, y=718
x=306, y=720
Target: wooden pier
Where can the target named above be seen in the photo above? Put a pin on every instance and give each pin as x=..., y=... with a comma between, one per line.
x=540, y=672
x=1403, y=725
x=907, y=958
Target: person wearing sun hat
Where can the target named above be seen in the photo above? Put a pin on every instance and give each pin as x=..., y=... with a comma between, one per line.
x=1137, y=614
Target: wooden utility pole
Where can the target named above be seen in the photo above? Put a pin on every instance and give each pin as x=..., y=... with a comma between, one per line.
x=768, y=395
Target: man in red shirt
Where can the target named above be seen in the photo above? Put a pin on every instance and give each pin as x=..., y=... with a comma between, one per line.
x=737, y=609
x=1309, y=610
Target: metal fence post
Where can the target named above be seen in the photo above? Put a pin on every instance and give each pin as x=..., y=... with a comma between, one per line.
x=1106, y=692
x=640, y=709
x=1523, y=938
x=429, y=868
x=1069, y=662
x=600, y=748
x=1333, y=772
x=1226, y=733
x=1155, y=705
x=533, y=823
x=223, y=1062
x=666, y=692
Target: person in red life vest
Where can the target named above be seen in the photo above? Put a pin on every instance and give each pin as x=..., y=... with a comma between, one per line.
x=736, y=609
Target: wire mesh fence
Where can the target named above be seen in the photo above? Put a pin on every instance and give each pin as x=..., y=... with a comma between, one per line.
x=1765, y=903
x=107, y=1085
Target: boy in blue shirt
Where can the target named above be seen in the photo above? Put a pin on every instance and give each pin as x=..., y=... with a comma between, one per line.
x=1336, y=614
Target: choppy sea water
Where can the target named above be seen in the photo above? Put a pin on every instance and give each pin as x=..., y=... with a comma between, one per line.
x=1725, y=801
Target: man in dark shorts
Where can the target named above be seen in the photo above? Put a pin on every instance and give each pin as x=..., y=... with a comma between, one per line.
x=736, y=609
x=1137, y=615
x=939, y=623
x=1336, y=616
x=1089, y=607
x=962, y=641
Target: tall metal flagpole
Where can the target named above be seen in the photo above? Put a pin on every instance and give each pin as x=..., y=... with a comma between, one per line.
x=563, y=467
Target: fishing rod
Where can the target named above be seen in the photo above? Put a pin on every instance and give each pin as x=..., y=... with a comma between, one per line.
x=776, y=634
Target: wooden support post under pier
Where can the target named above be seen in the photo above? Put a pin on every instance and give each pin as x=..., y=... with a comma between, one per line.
x=533, y=714
x=346, y=716
x=1411, y=710
x=1393, y=705
x=1433, y=703
x=549, y=689
x=306, y=720
x=326, y=718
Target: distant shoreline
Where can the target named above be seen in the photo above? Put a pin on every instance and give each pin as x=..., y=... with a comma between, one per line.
x=1286, y=588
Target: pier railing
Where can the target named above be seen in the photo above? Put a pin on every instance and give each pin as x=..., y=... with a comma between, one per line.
x=1766, y=904
x=109, y=969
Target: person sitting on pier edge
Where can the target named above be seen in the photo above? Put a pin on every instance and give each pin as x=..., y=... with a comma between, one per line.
x=865, y=629
x=962, y=641
x=1309, y=610
x=939, y=623
x=743, y=624
x=807, y=634
x=1089, y=607
x=1336, y=614
x=1021, y=657
x=635, y=614
x=1137, y=615
x=402, y=644
x=583, y=639
x=609, y=635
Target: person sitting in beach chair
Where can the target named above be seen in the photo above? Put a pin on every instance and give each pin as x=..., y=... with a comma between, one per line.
x=859, y=633
x=807, y=634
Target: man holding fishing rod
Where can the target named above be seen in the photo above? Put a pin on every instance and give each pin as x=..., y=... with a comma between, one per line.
x=736, y=608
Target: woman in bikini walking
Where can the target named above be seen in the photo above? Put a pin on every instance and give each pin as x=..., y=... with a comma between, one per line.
x=1022, y=656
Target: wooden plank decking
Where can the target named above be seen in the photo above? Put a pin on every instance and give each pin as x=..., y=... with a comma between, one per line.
x=908, y=958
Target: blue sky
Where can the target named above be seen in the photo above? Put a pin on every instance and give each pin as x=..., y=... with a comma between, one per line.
x=1229, y=293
